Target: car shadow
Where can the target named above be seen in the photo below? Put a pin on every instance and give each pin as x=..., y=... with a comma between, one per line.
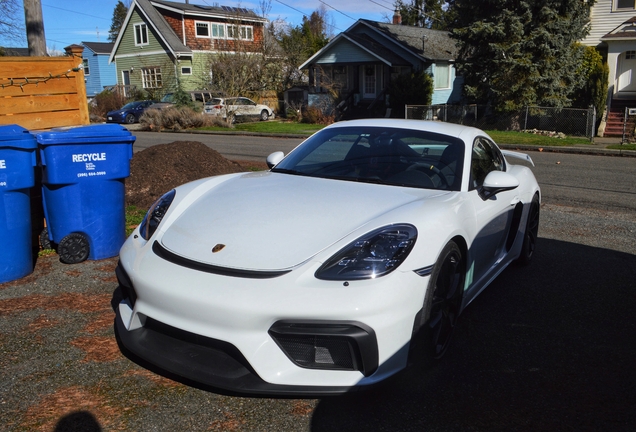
x=550, y=346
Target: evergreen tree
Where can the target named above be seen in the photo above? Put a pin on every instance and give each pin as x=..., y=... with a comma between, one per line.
x=516, y=53
x=119, y=15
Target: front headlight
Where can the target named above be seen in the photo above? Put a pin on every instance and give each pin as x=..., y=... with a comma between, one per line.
x=155, y=214
x=373, y=255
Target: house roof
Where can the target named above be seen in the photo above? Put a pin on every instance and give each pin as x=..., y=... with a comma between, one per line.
x=15, y=52
x=99, y=47
x=427, y=43
x=423, y=43
x=210, y=11
x=625, y=31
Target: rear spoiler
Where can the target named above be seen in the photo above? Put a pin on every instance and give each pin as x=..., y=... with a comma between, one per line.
x=517, y=155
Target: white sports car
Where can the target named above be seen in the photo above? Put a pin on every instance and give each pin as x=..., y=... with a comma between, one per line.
x=320, y=275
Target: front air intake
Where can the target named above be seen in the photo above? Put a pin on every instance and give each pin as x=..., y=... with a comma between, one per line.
x=328, y=345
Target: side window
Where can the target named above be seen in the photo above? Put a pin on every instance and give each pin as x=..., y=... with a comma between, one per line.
x=486, y=157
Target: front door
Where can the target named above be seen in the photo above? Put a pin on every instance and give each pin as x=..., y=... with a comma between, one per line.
x=368, y=82
x=125, y=76
x=626, y=69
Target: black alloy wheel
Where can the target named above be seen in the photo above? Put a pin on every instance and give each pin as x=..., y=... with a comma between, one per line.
x=130, y=118
x=444, y=300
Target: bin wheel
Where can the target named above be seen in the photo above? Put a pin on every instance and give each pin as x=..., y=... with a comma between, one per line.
x=44, y=239
x=73, y=248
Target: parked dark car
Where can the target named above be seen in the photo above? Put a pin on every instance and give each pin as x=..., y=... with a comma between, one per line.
x=129, y=113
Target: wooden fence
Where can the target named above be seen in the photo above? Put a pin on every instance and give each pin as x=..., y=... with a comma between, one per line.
x=43, y=92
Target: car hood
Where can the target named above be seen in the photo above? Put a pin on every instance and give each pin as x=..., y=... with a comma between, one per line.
x=274, y=221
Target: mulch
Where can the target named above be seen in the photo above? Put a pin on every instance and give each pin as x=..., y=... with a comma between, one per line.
x=158, y=169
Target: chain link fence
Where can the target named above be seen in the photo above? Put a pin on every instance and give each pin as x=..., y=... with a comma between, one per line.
x=549, y=121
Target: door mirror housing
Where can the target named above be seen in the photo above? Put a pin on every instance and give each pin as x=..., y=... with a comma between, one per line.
x=274, y=158
x=497, y=181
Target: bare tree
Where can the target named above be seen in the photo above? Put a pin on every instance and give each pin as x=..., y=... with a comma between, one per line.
x=11, y=22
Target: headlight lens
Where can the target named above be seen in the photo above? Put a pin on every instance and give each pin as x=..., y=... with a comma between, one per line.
x=155, y=214
x=373, y=255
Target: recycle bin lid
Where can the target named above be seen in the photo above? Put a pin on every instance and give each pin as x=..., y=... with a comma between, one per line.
x=106, y=133
x=16, y=137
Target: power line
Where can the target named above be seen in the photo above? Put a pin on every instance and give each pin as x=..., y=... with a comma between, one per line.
x=386, y=7
x=75, y=12
x=337, y=10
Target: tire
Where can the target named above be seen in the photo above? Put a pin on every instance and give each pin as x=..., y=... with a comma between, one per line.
x=45, y=243
x=531, y=233
x=443, y=301
x=73, y=248
x=264, y=115
x=130, y=118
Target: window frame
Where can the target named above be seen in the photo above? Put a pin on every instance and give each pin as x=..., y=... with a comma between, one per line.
x=241, y=30
x=151, y=77
x=86, y=67
x=617, y=8
x=189, y=70
x=496, y=165
x=439, y=68
x=141, y=33
x=202, y=24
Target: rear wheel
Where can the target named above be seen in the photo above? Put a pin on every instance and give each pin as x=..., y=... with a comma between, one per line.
x=531, y=233
x=443, y=300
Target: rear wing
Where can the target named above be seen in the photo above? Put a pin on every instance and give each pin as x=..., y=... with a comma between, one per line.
x=516, y=155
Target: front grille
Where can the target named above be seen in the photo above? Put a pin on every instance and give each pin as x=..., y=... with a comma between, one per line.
x=334, y=345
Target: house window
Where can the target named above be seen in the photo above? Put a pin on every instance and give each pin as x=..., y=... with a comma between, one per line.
x=141, y=34
x=202, y=29
x=218, y=31
x=624, y=4
x=630, y=55
x=186, y=70
x=340, y=76
x=87, y=70
x=240, y=32
x=442, y=76
x=151, y=77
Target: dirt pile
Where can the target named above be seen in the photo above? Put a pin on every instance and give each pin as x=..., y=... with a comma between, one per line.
x=157, y=169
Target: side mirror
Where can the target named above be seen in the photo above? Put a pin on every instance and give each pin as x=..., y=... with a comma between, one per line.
x=497, y=181
x=274, y=158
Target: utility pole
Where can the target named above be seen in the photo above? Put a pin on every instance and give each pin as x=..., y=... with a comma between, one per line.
x=34, y=27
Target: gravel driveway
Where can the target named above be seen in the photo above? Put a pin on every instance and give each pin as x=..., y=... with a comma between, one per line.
x=546, y=347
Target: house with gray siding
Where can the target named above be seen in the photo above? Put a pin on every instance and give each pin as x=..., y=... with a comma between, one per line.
x=98, y=72
x=613, y=32
x=364, y=59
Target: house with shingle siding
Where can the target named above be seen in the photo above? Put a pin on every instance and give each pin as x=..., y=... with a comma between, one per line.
x=163, y=43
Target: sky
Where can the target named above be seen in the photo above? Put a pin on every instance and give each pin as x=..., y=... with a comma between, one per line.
x=69, y=22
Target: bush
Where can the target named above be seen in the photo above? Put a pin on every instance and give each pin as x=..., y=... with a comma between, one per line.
x=104, y=102
x=177, y=118
x=313, y=115
x=412, y=89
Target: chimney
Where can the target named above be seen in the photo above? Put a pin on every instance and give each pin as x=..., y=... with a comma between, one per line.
x=397, y=17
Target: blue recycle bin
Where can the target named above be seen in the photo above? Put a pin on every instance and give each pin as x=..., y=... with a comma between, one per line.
x=17, y=175
x=83, y=193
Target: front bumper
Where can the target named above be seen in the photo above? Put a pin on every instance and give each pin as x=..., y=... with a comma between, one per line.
x=249, y=336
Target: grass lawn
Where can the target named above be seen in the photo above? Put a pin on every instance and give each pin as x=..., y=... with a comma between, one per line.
x=622, y=147
x=501, y=137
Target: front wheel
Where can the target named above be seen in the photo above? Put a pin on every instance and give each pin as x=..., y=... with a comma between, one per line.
x=443, y=300
x=264, y=115
x=130, y=119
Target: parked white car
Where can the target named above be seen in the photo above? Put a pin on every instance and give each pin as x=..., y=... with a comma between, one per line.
x=237, y=108
x=353, y=256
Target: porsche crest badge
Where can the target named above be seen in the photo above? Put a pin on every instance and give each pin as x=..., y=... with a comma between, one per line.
x=218, y=248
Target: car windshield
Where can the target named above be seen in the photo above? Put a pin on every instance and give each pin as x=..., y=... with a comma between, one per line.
x=168, y=98
x=391, y=156
x=129, y=105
